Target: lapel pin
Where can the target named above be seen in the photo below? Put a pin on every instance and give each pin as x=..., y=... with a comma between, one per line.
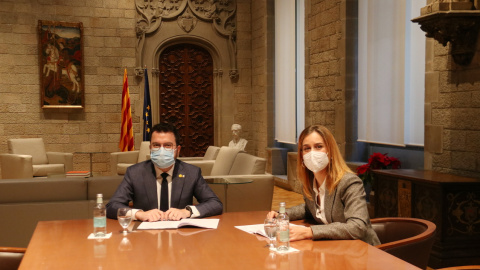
x=181, y=175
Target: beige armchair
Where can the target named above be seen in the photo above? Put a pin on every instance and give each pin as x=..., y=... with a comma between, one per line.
x=120, y=161
x=28, y=158
x=210, y=154
x=234, y=163
x=219, y=166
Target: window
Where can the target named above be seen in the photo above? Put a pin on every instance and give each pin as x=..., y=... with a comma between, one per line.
x=289, y=70
x=391, y=72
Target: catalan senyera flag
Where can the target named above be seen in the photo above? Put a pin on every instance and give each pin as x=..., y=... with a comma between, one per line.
x=126, y=134
x=147, y=110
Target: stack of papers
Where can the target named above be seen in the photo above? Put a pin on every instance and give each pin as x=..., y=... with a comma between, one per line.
x=210, y=223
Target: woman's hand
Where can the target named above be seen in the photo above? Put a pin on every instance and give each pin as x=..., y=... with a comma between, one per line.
x=272, y=214
x=300, y=233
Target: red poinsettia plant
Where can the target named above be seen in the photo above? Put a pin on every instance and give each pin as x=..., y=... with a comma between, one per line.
x=376, y=161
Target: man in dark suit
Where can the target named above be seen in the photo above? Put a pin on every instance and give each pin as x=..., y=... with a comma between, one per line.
x=163, y=187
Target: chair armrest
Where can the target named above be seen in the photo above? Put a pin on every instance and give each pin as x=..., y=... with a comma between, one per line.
x=13, y=249
x=61, y=158
x=205, y=165
x=16, y=166
x=185, y=159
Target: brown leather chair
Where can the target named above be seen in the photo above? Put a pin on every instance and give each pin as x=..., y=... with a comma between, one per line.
x=464, y=267
x=409, y=239
x=10, y=257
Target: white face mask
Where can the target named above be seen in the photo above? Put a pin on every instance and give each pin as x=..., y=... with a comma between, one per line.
x=315, y=160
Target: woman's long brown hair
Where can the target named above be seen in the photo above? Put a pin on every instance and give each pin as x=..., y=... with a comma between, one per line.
x=336, y=167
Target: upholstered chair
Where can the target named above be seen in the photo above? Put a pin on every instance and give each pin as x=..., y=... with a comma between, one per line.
x=120, y=161
x=210, y=154
x=220, y=165
x=11, y=257
x=409, y=239
x=28, y=158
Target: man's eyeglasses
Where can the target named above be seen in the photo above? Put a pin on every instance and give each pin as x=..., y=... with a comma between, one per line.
x=166, y=146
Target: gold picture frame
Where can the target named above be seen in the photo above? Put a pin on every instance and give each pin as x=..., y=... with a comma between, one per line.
x=60, y=56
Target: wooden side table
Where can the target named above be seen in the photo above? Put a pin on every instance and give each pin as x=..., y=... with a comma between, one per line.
x=90, y=153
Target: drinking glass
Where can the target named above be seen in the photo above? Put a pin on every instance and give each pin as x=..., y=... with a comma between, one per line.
x=270, y=226
x=124, y=216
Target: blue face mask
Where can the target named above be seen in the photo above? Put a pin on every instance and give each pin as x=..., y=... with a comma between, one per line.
x=162, y=158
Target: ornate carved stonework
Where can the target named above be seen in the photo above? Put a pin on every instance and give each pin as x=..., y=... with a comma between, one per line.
x=220, y=13
x=187, y=22
x=455, y=22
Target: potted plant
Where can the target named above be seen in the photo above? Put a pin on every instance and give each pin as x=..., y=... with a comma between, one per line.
x=376, y=161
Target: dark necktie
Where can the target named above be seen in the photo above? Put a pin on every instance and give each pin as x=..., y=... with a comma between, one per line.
x=164, y=195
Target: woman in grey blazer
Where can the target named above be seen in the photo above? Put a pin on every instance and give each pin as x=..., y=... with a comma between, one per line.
x=334, y=196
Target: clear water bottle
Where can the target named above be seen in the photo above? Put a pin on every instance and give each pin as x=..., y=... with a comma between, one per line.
x=99, y=217
x=283, y=230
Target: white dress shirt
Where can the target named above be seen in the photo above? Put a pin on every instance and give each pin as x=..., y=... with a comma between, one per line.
x=158, y=173
x=320, y=198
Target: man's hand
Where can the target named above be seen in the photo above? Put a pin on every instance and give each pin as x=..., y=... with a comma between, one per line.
x=150, y=215
x=177, y=214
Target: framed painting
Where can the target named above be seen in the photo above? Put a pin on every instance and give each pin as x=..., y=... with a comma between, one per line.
x=60, y=56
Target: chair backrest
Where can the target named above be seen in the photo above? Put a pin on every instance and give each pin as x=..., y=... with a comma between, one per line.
x=144, y=152
x=211, y=153
x=409, y=239
x=31, y=146
x=463, y=267
x=223, y=163
x=10, y=257
x=248, y=164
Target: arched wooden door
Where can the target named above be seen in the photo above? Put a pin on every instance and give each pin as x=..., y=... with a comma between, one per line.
x=186, y=95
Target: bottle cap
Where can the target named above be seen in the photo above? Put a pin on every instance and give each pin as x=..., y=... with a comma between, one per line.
x=99, y=195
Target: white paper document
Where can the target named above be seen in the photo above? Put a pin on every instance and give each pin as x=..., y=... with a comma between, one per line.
x=171, y=224
x=253, y=229
x=257, y=229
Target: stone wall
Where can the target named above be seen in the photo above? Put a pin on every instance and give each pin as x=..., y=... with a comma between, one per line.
x=325, y=66
x=452, y=113
x=109, y=45
x=262, y=79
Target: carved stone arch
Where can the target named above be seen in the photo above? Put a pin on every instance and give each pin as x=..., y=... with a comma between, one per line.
x=164, y=23
x=217, y=77
x=195, y=40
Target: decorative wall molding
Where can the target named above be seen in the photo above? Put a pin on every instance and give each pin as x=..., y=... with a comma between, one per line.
x=220, y=13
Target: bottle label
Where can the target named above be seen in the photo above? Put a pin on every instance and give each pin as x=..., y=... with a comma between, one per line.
x=284, y=236
x=99, y=222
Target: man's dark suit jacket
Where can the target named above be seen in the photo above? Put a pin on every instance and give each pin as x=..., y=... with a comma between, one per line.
x=140, y=186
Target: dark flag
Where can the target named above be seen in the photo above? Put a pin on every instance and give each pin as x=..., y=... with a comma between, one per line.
x=147, y=111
